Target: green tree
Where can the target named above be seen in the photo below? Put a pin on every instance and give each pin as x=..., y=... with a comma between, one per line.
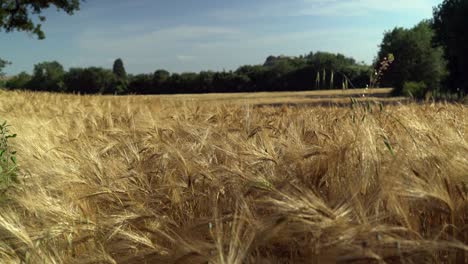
x=48, y=76
x=415, y=59
x=205, y=81
x=160, y=78
x=450, y=20
x=16, y=14
x=119, y=70
x=90, y=80
x=141, y=84
x=120, y=84
x=19, y=81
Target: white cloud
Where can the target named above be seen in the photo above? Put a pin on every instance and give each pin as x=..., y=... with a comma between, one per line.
x=195, y=48
x=362, y=7
x=174, y=48
x=192, y=48
x=102, y=40
x=326, y=8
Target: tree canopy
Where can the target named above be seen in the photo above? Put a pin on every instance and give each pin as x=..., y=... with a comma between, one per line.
x=280, y=74
x=19, y=14
x=450, y=24
x=119, y=70
x=48, y=76
x=89, y=80
x=415, y=59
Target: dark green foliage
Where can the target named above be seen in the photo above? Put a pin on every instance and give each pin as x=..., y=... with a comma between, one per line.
x=415, y=58
x=20, y=81
x=16, y=14
x=160, y=76
x=89, y=80
x=48, y=76
x=205, y=81
x=119, y=70
x=450, y=24
x=120, y=83
x=118, y=86
x=141, y=83
x=277, y=74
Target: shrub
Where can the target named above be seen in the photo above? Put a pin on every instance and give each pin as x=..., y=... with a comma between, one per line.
x=8, y=168
x=414, y=89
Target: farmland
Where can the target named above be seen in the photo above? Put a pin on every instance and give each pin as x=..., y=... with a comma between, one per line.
x=317, y=97
x=217, y=179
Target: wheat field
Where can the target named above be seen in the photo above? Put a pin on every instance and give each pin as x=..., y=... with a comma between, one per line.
x=157, y=180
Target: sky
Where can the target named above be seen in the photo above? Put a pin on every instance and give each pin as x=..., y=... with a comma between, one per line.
x=195, y=35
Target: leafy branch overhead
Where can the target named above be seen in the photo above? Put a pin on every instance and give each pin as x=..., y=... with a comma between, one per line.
x=19, y=14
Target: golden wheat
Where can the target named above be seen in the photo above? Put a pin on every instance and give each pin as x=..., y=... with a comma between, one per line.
x=160, y=180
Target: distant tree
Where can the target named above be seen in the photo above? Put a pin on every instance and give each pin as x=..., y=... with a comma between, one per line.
x=329, y=61
x=16, y=14
x=48, y=76
x=91, y=80
x=19, y=81
x=270, y=60
x=119, y=70
x=120, y=84
x=141, y=84
x=450, y=24
x=205, y=81
x=415, y=59
x=160, y=78
x=279, y=74
x=117, y=86
x=189, y=82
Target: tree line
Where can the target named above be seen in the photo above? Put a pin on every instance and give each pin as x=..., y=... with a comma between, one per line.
x=319, y=70
x=428, y=58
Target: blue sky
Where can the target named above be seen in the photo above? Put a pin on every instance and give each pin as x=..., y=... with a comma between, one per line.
x=194, y=35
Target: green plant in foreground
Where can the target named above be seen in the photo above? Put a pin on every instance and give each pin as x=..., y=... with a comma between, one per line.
x=8, y=167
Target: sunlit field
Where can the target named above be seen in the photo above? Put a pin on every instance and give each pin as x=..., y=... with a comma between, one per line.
x=303, y=98
x=208, y=179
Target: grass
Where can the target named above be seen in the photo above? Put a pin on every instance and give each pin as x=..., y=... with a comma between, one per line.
x=164, y=180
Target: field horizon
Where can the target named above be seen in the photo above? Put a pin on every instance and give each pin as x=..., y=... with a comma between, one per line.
x=216, y=179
